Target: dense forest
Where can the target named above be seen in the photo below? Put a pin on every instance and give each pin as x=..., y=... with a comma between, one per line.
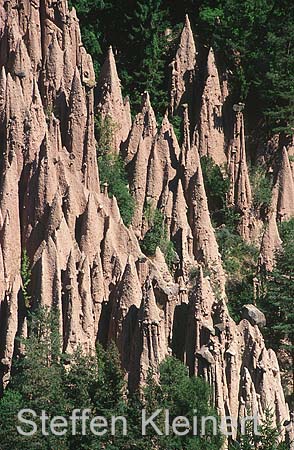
x=48, y=380
x=253, y=39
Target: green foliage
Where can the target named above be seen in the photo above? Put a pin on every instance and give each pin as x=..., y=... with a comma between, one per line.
x=277, y=303
x=144, y=70
x=286, y=231
x=278, y=295
x=37, y=384
x=182, y=396
x=253, y=46
x=41, y=381
x=193, y=274
x=110, y=379
x=10, y=404
x=91, y=13
x=216, y=187
x=156, y=236
x=177, y=123
x=259, y=53
x=261, y=187
x=26, y=275
x=239, y=258
x=240, y=262
x=112, y=172
x=268, y=437
x=136, y=30
x=104, y=132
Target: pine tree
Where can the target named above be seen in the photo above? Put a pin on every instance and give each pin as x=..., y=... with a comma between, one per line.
x=184, y=396
x=278, y=299
x=256, y=41
x=278, y=86
x=80, y=388
x=37, y=382
x=267, y=438
x=91, y=15
x=10, y=404
x=143, y=69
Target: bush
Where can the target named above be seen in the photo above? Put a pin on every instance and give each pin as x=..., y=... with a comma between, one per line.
x=193, y=274
x=26, y=275
x=157, y=237
x=261, y=187
x=181, y=395
x=277, y=300
x=104, y=132
x=216, y=187
x=112, y=168
x=177, y=123
x=240, y=262
x=112, y=171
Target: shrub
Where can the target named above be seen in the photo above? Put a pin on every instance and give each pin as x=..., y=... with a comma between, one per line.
x=112, y=171
x=26, y=275
x=216, y=187
x=240, y=262
x=112, y=168
x=193, y=273
x=261, y=187
x=277, y=299
x=104, y=132
x=177, y=123
x=156, y=236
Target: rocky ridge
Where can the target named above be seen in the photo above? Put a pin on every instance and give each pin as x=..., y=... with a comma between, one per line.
x=84, y=260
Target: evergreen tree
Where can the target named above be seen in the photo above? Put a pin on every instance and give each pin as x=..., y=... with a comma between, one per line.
x=90, y=14
x=184, y=396
x=277, y=88
x=37, y=384
x=80, y=388
x=267, y=438
x=113, y=173
x=255, y=39
x=143, y=68
x=10, y=404
x=277, y=300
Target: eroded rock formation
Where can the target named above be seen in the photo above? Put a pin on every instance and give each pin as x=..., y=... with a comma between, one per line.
x=111, y=106
x=183, y=70
x=240, y=194
x=283, y=192
x=84, y=260
x=209, y=133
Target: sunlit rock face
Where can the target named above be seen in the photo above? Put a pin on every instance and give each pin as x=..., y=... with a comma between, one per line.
x=209, y=132
x=110, y=103
x=84, y=260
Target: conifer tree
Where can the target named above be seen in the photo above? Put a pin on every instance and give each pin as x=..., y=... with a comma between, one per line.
x=277, y=300
x=37, y=383
x=143, y=69
x=267, y=438
x=186, y=396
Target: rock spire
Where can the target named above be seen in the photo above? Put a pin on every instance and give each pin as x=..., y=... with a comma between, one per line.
x=114, y=111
